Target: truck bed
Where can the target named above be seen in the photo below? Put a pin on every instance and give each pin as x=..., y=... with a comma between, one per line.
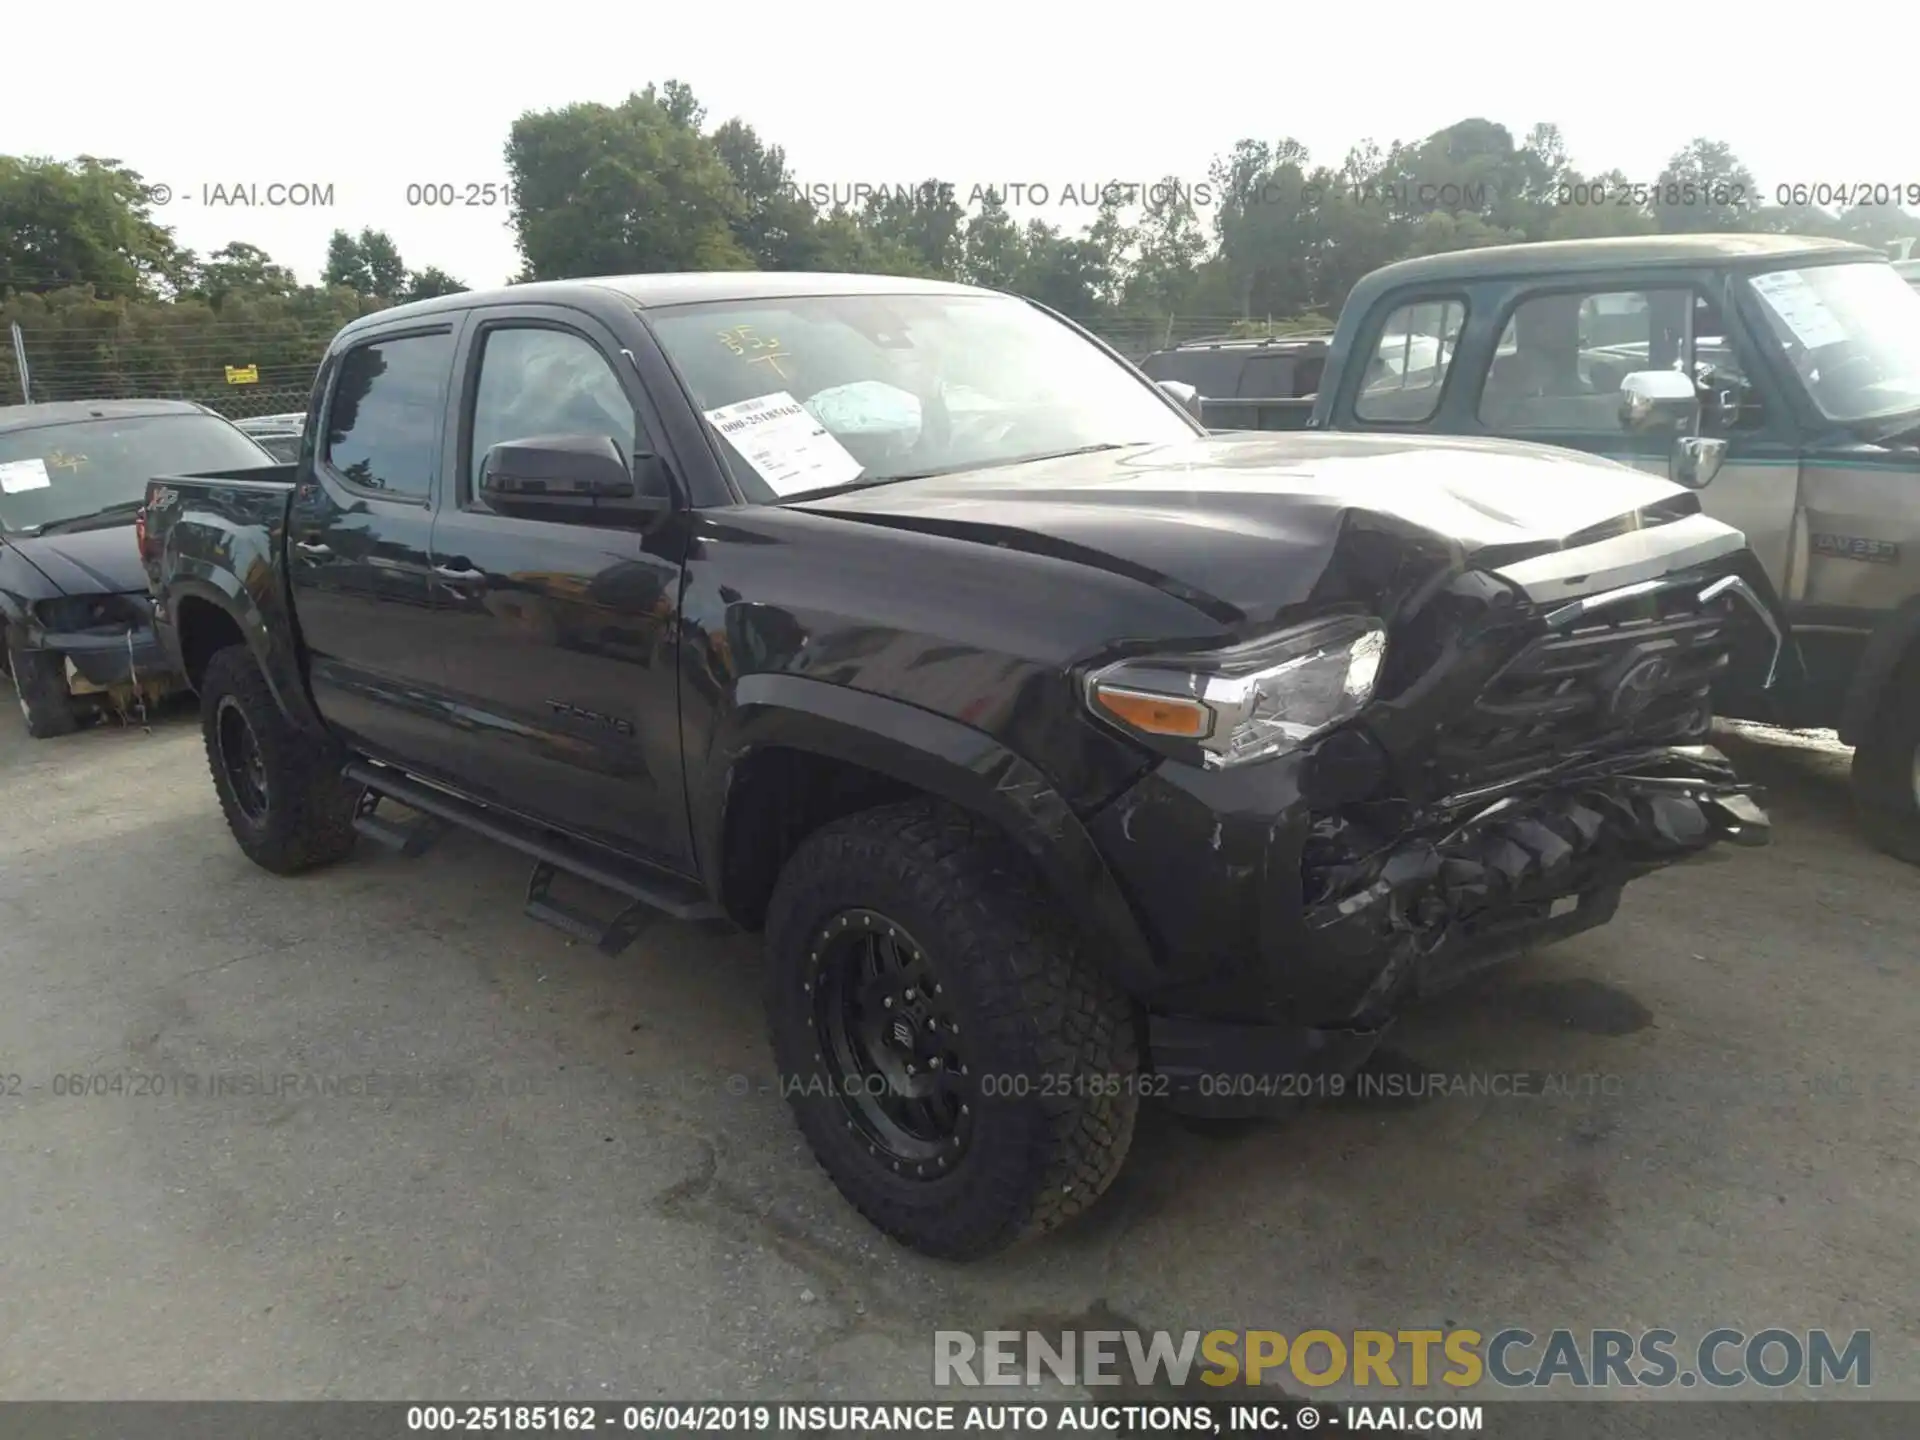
x=200, y=534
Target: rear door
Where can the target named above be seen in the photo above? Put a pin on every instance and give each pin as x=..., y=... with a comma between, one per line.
x=358, y=535
x=557, y=641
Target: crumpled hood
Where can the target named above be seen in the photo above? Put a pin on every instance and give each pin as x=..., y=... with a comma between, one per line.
x=1245, y=524
x=86, y=562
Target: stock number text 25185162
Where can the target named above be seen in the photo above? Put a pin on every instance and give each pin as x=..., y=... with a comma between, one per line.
x=459, y=195
x=1667, y=193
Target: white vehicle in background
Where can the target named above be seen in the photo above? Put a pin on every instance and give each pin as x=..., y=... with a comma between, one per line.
x=279, y=435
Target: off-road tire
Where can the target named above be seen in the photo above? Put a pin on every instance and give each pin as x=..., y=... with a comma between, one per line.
x=41, y=686
x=1886, y=769
x=308, y=812
x=1038, y=1019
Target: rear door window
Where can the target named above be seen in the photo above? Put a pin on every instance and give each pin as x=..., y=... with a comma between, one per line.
x=1410, y=363
x=387, y=411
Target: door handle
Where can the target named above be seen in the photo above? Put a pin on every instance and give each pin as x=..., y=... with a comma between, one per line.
x=313, y=548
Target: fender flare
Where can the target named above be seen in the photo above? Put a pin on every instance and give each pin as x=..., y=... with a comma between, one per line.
x=1896, y=637
x=278, y=661
x=943, y=757
x=22, y=585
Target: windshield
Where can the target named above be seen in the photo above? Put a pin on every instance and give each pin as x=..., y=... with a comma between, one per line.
x=1852, y=333
x=61, y=473
x=817, y=392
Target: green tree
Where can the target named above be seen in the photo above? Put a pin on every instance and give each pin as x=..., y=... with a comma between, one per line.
x=1068, y=273
x=238, y=268
x=1705, y=188
x=344, y=266
x=367, y=265
x=81, y=222
x=432, y=281
x=772, y=222
x=926, y=222
x=608, y=190
x=993, y=252
x=1170, y=246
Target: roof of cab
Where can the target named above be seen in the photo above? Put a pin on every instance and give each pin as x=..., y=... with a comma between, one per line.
x=1609, y=252
x=648, y=292
x=67, y=412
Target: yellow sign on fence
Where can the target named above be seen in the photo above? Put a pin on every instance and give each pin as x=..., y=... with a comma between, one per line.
x=243, y=374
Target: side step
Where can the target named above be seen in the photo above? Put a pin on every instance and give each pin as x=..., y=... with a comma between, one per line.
x=410, y=838
x=651, y=891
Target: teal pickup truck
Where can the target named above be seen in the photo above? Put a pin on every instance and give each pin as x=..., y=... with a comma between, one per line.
x=1777, y=376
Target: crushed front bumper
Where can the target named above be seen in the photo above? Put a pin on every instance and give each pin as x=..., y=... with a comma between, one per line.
x=1502, y=871
x=1292, y=941
x=101, y=663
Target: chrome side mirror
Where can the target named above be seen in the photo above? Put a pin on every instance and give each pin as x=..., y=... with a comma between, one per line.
x=1658, y=399
x=1695, y=461
x=1183, y=395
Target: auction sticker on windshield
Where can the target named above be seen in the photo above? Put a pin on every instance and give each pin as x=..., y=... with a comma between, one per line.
x=18, y=475
x=791, y=450
x=1800, y=308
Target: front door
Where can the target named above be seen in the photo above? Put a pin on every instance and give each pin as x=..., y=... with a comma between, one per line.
x=557, y=642
x=358, y=540
x=1554, y=377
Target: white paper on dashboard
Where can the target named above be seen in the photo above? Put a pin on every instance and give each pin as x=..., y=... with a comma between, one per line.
x=18, y=475
x=1800, y=308
x=789, y=449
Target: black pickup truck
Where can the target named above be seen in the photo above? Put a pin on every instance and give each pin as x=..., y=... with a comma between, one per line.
x=1065, y=755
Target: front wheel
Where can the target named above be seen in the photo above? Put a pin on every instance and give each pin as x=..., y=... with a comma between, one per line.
x=961, y=1070
x=281, y=790
x=40, y=685
x=1886, y=770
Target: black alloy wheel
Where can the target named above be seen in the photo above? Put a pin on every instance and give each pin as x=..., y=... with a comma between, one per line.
x=890, y=1041
x=240, y=758
x=959, y=1063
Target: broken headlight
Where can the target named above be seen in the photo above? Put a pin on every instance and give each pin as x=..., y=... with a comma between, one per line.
x=1249, y=702
x=87, y=612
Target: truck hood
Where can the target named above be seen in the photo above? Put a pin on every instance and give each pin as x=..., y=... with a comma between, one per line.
x=86, y=562
x=1243, y=525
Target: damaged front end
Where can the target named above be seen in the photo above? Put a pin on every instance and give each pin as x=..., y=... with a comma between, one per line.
x=1575, y=766
x=1479, y=877
x=1518, y=765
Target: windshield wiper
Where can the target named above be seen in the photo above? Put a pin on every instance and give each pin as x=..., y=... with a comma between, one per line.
x=1907, y=427
x=847, y=487
x=77, y=522
x=864, y=484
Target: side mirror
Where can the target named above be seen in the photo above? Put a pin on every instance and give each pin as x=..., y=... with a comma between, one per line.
x=1183, y=395
x=1695, y=461
x=1658, y=400
x=578, y=478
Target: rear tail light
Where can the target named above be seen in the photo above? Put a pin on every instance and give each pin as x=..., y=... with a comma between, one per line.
x=140, y=532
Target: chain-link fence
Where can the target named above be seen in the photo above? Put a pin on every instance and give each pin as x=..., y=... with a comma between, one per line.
x=223, y=372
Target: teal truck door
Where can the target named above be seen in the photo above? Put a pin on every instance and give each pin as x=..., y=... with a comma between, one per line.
x=1554, y=377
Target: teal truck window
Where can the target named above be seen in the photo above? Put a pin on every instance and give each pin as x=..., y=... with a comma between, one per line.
x=1408, y=370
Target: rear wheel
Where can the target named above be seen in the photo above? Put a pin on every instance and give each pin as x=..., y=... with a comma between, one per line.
x=281, y=790
x=1886, y=769
x=40, y=685
x=962, y=1071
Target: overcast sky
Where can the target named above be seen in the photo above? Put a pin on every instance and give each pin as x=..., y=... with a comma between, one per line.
x=371, y=98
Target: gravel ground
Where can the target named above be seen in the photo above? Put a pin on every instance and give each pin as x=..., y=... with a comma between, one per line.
x=575, y=1181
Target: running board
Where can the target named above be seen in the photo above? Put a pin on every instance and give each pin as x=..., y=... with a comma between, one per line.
x=411, y=838
x=652, y=892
